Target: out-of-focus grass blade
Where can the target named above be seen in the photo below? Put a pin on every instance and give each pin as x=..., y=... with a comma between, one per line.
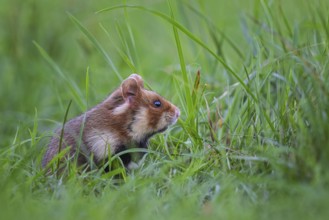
x=97, y=45
x=213, y=29
x=125, y=58
x=183, y=65
x=87, y=88
x=74, y=89
x=188, y=34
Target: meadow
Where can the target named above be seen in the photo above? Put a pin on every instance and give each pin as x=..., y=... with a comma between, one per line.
x=251, y=81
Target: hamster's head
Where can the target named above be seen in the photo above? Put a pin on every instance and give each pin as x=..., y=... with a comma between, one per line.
x=151, y=112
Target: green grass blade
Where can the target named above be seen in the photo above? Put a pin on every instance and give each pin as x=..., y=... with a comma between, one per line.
x=126, y=59
x=62, y=132
x=97, y=45
x=183, y=67
x=190, y=35
x=87, y=89
x=74, y=89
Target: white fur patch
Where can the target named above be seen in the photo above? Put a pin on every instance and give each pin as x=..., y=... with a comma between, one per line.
x=121, y=109
x=166, y=119
x=132, y=166
x=100, y=142
x=162, y=122
x=140, y=126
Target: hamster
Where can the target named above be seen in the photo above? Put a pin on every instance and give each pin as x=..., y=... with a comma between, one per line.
x=126, y=118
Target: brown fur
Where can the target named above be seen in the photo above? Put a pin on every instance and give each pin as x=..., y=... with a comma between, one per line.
x=128, y=117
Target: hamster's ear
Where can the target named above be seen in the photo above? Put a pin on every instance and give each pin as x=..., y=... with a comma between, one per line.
x=138, y=78
x=130, y=88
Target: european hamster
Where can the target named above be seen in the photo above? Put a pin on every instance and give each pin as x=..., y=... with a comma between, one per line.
x=126, y=118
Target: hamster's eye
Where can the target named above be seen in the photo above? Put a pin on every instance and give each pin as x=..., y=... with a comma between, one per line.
x=157, y=104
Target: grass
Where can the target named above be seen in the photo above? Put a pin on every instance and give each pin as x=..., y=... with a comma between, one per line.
x=249, y=77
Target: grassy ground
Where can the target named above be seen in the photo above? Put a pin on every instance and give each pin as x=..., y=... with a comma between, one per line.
x=253, y=139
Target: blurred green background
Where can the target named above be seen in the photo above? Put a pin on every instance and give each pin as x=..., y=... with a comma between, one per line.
x=28, y=82
x=254, y=152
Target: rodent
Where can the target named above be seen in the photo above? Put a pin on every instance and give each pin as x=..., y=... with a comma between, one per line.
x=127, y=117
